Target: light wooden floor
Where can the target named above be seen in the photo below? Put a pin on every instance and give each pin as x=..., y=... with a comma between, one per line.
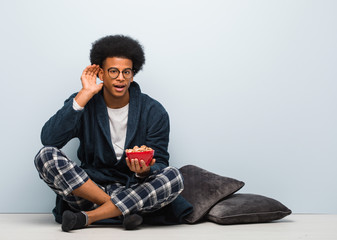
x=296, y=226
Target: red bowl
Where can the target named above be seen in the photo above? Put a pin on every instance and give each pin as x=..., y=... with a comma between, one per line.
x=145, y=156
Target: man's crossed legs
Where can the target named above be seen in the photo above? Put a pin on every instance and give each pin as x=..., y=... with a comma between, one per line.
x=91, y=202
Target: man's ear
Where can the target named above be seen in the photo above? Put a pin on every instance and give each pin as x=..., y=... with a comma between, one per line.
x=100, y=74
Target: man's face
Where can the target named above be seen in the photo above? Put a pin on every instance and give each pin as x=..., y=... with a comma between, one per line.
x=116, y=88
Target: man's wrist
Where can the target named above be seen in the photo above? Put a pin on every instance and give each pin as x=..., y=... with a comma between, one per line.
x=76, y=106
x=83, y=97
x=143, y=174
x=140, y=176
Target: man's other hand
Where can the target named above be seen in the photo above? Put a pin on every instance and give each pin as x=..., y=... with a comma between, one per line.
x=139, y=167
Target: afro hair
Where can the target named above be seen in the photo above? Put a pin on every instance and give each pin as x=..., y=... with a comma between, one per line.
x=118, y=46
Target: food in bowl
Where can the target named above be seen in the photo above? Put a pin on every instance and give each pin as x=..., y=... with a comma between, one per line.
x=141, y=153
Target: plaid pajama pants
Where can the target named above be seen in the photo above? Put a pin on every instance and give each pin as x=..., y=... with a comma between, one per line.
x=63, y=176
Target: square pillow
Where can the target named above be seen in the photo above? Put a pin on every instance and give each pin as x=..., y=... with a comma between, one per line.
x=247, y=208
x=204, y=189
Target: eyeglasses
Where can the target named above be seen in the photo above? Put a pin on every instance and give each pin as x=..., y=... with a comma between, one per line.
x=114, y=73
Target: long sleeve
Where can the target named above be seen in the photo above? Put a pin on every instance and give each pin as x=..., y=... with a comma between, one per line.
x=62, y=126
x=158, y=138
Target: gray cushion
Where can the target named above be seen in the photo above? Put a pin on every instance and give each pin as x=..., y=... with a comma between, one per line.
x=247, y=208
x=204, y=189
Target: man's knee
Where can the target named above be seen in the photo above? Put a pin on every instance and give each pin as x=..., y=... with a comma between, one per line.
x=175, y=178
x=43, y=156
x=59, y=172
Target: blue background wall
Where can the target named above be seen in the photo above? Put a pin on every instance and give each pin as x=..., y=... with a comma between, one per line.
x=250, y=87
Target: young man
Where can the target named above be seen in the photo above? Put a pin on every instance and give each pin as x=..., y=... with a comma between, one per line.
x=108, y=118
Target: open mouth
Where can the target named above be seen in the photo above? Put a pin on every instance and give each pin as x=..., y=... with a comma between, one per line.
x=119, y=87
